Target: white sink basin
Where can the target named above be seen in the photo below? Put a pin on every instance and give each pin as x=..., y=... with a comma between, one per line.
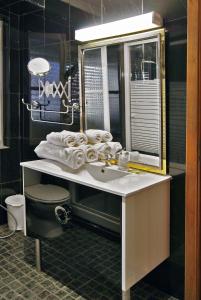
x=96, y=175
x=102, y=173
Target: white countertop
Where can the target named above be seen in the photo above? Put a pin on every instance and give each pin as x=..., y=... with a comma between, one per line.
x=124, y=186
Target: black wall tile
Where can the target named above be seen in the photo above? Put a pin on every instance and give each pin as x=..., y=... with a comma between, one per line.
x=169, y=10
x=14, y=32
x=32, y=24
x=6, y=30
x=14, y=79
x=39, y=3
x=6, y=3
x=87, y=15
x=113, y=10
x=10, y=158
x=20, y=7
x=6, y=190
x=12, y=116
x=176, y=53
x=169, y=276
x=28, y=149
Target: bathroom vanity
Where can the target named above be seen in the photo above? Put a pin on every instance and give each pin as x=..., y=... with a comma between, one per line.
x=144, y=214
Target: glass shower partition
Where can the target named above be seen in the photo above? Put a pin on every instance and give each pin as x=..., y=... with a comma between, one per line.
x=96, y=89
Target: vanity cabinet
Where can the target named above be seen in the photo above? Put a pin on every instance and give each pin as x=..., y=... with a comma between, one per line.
x=97, y=207
x=144, y=216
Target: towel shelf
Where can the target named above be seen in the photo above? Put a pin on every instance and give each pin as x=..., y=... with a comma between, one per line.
x=35, y=106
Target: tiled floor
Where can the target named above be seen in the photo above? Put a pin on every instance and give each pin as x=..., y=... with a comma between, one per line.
x=79, y=265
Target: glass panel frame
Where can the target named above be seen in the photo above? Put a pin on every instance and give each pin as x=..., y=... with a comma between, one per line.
x=159, y=35
x=96, y=83
x=135, y=90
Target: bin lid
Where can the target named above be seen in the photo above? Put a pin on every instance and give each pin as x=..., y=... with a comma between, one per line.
x=47, y=193
x=15, y=200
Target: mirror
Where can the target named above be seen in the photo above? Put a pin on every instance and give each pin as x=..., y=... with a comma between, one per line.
x=123, y=91
x=143, y=105
x=38, y=66
x=101, y=87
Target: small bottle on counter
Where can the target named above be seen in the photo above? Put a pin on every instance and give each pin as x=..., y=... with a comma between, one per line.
x=123, y=160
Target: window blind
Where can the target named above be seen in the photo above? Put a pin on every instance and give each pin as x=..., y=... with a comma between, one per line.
x=145, y=115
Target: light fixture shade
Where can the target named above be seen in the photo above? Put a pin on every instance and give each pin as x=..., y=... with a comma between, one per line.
x=125, y=26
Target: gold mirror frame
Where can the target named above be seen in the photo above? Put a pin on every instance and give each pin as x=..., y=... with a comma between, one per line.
x=162, y=169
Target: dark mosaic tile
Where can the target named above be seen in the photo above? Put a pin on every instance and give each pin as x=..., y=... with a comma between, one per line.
x=14, y=285
x=4, y=289
x=44, y=294
x=51, y=297
x=19, y=297
x=66, y=276
x=10, y=295
x=27, y=294
x=7, y=280
x=61, y=293
x=69, y=298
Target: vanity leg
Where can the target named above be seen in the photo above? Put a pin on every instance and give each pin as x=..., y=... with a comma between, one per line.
x=38, y=254
x=126, y=295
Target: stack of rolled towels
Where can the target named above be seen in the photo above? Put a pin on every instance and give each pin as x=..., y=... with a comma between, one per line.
x=74, y=149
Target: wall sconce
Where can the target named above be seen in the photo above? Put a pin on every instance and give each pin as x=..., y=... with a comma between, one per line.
x=125, y=26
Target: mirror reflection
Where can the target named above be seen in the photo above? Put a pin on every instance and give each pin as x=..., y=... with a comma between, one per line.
x=38, y=66
x=123, y=92
x=143, y=108
x=102, y=89
x=94, y=89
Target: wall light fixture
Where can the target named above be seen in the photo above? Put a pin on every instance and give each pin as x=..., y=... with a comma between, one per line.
x=125, y=26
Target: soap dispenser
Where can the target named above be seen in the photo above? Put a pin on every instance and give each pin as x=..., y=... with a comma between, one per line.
x=123, y=160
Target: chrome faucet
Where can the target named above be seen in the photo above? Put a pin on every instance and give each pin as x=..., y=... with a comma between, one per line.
x=107, y=158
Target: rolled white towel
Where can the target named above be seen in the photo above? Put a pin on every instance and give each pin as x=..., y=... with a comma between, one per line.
x=64, y=138
x=106, y=136
x=94, y=136
x=72, y=157
x=48, y=150
x=75, y=157
x=103, y=150
x=81, y=138
x=97, y=136
x=91, y=154
x=115, y=147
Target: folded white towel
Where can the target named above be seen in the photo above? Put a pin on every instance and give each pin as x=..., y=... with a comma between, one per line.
x=94, y=136
x=103, y=150
x=72, y=157
x=115, y=147
x=91, y=154
x=64, y=138
x=97, y=136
